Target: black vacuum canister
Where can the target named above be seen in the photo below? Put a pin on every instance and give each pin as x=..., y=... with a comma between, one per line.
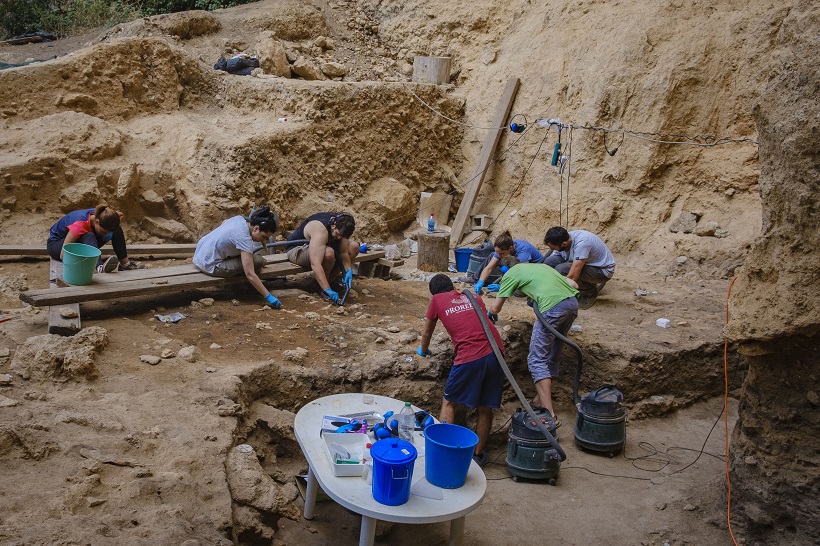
x=601, y=421
x=529, y=454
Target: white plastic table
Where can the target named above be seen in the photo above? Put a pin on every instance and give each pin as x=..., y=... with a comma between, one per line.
x=354, y=493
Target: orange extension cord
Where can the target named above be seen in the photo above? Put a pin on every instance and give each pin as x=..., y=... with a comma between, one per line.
x=726, y=417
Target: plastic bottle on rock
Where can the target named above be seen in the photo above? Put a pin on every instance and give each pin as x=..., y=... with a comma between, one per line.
x=407, y=422
x=431, y=223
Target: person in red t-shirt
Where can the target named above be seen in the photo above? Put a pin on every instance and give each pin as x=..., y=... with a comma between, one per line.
x=476, y=379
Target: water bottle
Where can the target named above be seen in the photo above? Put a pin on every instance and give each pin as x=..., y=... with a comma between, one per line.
x=407, y=422
x=431, y=223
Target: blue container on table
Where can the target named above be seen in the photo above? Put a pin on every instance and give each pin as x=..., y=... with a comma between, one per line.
x=448, y=452
x=393, y=462
x=462, y=258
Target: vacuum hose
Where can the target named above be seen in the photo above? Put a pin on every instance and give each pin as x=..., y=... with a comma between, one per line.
x=557, y=334
x=523, y=399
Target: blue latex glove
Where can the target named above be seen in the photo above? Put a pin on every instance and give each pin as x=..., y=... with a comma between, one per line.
x=421, y=352
x=333, y=296
x=273, y=302
x=348, y=278
x=493, y=317
x=495, y=287
x=478, y=284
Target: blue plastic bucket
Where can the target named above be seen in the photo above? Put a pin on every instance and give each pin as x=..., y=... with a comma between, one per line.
x=79, y=262
x=448, y=452
x=393, y=462
x=462, y=258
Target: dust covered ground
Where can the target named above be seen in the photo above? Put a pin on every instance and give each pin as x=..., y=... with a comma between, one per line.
x=123, y=451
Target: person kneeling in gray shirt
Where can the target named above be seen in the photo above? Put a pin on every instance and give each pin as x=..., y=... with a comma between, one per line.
x=583, y=257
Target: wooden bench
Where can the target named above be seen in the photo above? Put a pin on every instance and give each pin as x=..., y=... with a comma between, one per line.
x=156, y=281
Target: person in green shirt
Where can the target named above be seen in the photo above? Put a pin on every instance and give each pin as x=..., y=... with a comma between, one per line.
x=557, y=303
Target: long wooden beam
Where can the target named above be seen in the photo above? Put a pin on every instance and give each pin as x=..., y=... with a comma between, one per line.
x=185, y=249
x=484, y=161
x=161, y=283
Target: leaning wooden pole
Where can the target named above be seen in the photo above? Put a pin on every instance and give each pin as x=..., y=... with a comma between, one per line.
x=484, y=161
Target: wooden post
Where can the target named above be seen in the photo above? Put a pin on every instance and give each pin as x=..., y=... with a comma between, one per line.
x=431, y=70
x=57, y=323
x=434, y=250
x=484, y=161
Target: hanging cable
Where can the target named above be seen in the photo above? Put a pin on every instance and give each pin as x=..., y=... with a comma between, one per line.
x=615, y=149
x=521, y=181
x=461, y=185
x=662, y=138
x=445, y=117
x=569, y=173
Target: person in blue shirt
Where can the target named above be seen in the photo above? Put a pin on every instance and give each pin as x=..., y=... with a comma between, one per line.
x=94, y=227
x=504, y=246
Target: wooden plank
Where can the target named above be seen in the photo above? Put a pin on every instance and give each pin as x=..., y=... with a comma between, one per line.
x=186, y=249
x=95, y=292
x=170, y=271
x=157, y=285
x=57, y=324
x=24, y=40
x=487, y=153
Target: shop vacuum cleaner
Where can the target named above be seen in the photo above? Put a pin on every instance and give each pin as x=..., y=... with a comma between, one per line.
x=533, y=449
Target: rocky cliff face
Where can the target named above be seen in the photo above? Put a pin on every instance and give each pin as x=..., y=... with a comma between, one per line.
x=776, y=311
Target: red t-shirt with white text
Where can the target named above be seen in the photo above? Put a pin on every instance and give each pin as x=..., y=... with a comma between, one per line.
x=456, y=313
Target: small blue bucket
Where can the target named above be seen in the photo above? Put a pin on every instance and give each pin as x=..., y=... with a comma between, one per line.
x=448, y=452
x=393, y=462
x=462, y=258
x=79, y=263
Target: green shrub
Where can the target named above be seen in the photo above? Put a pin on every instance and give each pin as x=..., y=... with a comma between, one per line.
x=20, y=16
x=62, y=17
x=155, y=7
x=67, y=17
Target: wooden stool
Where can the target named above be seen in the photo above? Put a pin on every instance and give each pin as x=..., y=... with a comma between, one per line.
x=434, y=250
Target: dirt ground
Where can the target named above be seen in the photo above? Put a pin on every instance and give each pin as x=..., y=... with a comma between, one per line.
x=126, y=434
x=102, y=463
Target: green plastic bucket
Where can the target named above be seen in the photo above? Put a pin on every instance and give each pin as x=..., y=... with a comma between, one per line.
x=79, y=262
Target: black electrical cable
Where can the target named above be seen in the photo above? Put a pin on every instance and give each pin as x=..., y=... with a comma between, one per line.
x=498, y=158
x=666, y=138
x=504, y=424
x=520, y=182
x=608, y=475
x=615, y=149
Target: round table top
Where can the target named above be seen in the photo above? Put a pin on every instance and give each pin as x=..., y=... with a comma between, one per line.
x=354, y=493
